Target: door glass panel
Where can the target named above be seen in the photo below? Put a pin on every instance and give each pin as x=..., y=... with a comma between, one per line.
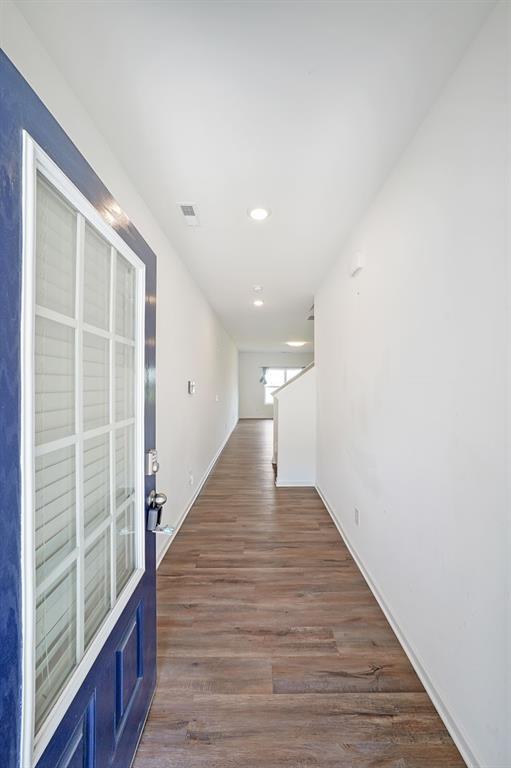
x=55, y=641
x=125, y=299
x=56, y=251
x=125, y=546
x=96, y=482
x=97, y=585
x=124, y=487
x=95, y=381
x=55, y=509
x=54, y=380
x=124, y=364
x=85, y=514
x=96, y=304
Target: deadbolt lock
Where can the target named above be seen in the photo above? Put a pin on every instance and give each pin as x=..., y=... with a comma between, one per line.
x=152, y=464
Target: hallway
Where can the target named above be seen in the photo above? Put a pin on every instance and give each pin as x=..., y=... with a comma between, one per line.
x=272, y=651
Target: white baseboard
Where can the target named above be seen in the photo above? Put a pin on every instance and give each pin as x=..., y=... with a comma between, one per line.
x=454, y=731
x=294, y=483
x=191, y=501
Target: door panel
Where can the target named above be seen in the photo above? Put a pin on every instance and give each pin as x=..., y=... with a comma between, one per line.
x=102, y=725
x=79, y=751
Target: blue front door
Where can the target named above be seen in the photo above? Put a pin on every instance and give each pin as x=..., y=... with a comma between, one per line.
x=101, y=723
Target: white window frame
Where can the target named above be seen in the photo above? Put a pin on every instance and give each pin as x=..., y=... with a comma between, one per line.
x=36, y=161
x=280, y=368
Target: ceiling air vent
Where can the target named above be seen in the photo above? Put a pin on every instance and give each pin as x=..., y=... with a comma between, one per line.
x=189, y=213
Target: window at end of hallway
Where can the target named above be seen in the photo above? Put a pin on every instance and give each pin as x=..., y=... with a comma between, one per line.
x=273, y=378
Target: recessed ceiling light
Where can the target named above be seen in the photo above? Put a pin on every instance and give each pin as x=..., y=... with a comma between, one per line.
x=257, y=288
x=258, y=303
x=295, y=343
x=259, y=214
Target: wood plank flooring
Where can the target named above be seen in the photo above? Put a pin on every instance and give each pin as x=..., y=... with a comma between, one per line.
x=272, y=651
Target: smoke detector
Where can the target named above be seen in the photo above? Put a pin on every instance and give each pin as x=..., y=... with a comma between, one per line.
x=190, y=213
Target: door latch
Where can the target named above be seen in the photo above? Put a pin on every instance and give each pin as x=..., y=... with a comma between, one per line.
x=155, y=502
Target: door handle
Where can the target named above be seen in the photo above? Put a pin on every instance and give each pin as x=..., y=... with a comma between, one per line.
x=157, y=499
x=155, y=502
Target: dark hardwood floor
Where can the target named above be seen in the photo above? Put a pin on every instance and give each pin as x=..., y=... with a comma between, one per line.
x=272, y=650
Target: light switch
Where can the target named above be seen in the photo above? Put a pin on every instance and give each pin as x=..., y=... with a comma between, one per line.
x=356, y=263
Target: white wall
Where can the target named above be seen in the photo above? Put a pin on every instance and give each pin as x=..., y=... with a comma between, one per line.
x=190, y=340
x=296, y=431
x=191, y=427
x=413, y=387
x=251, y=391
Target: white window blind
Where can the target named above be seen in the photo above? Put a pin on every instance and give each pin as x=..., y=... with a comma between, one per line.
x=124, y=315
x=96, y=275
x=56, y=251
x=55, y=509
x=125, y=545
x=96, y=482
x=96, y=397
x=124, y=362
x=97, y=585
x=85, y=428
x=54, y=380
x=56, y=646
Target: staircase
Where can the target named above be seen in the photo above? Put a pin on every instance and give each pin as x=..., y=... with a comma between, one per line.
x=294, y=430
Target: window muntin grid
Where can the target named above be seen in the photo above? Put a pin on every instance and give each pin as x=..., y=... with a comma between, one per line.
x=71, y=519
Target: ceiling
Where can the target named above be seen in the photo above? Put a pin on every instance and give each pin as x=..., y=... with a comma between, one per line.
x=301, y=107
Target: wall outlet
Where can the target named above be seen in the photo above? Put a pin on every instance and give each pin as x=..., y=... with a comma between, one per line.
x=190, y=477
x=217, y=398
x=357, y=517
